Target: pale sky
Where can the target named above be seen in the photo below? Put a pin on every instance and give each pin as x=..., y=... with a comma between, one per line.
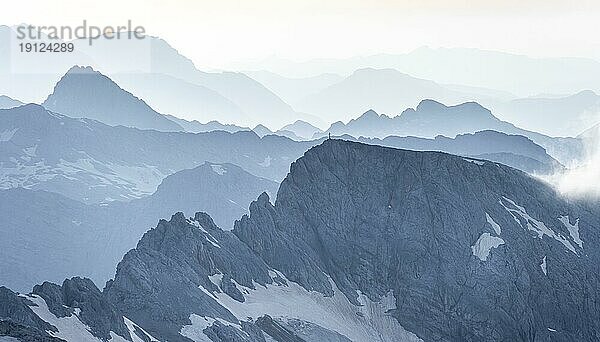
x=217, y=33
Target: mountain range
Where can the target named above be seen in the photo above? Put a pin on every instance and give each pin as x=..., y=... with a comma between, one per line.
x=554, y=116
x=139, y=65
x=387, y=90
x=431, y=118
x=520, y=75
x=363, y=243
x=171, y=84
x=84, y=160
x=383, y=90
x=294, y=90
x=438, y=195
x=92, y=162
x=516, y=151
x=51, y=237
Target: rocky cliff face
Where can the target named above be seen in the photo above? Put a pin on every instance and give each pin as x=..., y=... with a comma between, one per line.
x=75, y=311
x=159, y=283
x=472, y=250
x=93, y=308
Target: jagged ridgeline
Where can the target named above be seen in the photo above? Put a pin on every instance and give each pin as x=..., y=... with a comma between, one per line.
x=363, y=243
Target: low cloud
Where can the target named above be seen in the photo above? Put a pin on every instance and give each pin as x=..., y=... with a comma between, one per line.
x=582, y=181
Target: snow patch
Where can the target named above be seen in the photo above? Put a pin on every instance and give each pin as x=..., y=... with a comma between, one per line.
x=218, y=169
x=138, y=180
x=216, y=279
x=368, y=322
x=132, y=327
x=573, y=229
x=534, y=225
x=209, y=237
x=493, y=223
x=543, y=265
x=474, y=161
x=195, y=331
x=484, y=245
x=70, y=328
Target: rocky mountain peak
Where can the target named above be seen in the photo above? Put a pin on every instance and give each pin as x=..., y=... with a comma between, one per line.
x=85, y=93
x=378, y=219
x=94, y=309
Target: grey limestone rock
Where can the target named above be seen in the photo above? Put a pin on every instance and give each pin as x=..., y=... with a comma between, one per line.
x=378, y=219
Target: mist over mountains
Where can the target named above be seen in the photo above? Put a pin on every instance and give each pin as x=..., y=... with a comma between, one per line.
x=85, y=93
x=438, y=195
x=555, y=116
x=92, y=162
x=517, y=74
x=335, y=90
x=354, y=258
x=51, y=237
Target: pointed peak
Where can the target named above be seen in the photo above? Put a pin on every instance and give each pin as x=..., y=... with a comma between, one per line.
x=263, y=198
x=178, y=217
x=261, y=127
x=369, y=114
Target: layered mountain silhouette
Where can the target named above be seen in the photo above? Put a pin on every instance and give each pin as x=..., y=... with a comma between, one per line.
x=221, y=189
x=7, y=102
x=555, y=116
x=93, y=162
x=261, y=130
x=516, y=151
x=294, y=90
x=51, y=237
x=363, y=243
x=431, y=118
x=86, y=93
x=169, y=94
x=384, y=90
x=507, y=72
x=31, y=76
x=195, y=126
x=139, y=65
x=300, y=129
x=156, y=60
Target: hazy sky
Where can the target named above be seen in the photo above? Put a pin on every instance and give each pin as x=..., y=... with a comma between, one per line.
x=216, y=33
